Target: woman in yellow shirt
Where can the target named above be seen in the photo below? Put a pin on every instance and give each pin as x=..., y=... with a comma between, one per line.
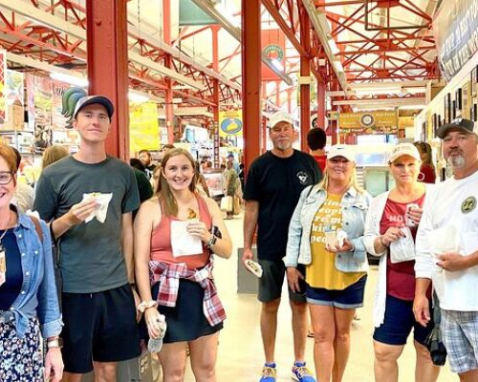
x=335, y=270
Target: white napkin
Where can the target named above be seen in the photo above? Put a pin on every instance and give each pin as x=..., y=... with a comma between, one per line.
x=444, y=239
x=103, y=201
x=182, y=242
x=335, y=239
x=403, y=249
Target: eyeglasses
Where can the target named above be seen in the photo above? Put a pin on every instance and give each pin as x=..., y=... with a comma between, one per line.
x=5, y=177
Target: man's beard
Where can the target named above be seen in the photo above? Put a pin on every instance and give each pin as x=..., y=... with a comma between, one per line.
x=456, y=161
x=284, y=146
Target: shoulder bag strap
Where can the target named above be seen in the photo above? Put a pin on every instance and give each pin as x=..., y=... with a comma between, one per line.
x=37, y=228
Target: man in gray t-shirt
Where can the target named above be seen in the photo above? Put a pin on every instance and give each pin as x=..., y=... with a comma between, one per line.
x=96, y=258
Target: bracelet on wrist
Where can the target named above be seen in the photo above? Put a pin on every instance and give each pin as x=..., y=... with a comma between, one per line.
x=54, y=343
x=146, y=305
x=212, y=241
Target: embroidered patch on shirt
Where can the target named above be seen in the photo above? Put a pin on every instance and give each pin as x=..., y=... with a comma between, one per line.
x=468, y=204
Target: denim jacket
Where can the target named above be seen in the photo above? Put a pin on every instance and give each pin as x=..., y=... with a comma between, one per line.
x=38, y=297
x=354, y=210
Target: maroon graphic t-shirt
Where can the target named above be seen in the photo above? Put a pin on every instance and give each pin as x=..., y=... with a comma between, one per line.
x=400, y=276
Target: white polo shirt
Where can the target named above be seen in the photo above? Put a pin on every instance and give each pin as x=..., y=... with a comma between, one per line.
x=453, y=202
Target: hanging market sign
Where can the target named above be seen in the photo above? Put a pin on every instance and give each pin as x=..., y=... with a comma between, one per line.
x=273, y=47
x=377, y=122
x=143, y=127
x=455, y=28
x=230, y=123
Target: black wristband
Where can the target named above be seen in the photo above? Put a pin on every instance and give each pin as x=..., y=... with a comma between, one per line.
x=52, y=234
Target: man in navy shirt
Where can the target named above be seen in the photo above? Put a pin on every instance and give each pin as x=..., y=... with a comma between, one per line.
x=273, y=186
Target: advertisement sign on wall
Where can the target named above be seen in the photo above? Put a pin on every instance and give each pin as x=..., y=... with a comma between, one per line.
x=377, y=122
x=143, y=127
x=455, y=28
x=40, y=95
x=230, y=123
x=57, y=119
x=14, y=95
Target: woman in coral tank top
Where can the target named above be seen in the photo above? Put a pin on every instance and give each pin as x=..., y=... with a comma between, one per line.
x=175, y=280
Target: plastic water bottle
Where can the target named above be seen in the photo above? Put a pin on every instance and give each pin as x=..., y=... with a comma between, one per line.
x=155, y=344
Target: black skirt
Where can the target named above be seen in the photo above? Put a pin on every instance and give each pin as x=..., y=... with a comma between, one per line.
x=186, y=321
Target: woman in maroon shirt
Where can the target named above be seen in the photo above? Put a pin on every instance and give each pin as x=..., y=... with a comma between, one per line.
x=392, y=221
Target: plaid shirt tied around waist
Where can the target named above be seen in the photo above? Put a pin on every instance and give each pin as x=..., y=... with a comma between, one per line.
x=169, y=275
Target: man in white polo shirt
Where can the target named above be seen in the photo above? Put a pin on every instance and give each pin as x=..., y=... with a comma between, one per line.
x=452, y=206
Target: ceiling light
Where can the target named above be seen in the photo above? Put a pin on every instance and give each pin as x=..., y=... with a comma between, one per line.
x=76, y=80
x=277, y=64
x=415, y=90
x=377, y=90
x=339, y=66
x=412, y=107
x=333, y=46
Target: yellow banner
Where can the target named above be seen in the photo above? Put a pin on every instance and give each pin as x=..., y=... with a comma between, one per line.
x=143, y=127
x=230, y=123
x=376, y=122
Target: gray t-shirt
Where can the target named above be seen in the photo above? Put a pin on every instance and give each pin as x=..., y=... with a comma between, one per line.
x=91, y=255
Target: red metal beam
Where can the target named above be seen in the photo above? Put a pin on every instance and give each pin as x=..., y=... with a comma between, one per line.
x=304, y=72
x=108, y=66
x=251, y=78
x=382, y=50
x=320, y=4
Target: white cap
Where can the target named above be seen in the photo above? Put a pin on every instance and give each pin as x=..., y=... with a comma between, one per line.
x=404, y=149
x=345, y=151
x=280, y=116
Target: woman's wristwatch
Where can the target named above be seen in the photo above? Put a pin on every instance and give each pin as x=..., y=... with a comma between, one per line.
x=212, y=241
x=55, y=343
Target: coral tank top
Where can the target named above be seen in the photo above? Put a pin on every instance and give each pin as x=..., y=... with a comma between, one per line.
x=161, y=240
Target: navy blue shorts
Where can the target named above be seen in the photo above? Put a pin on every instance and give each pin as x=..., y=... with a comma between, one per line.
x=398, y=323
x=99, y=327
x=348, y=298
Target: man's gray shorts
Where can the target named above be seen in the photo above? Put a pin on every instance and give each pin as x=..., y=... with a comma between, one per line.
x=460, y=336
x=270, y=284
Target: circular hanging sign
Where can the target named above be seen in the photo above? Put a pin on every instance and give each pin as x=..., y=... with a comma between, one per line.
x=274, y=51
x=231, y=126
x=367, y=120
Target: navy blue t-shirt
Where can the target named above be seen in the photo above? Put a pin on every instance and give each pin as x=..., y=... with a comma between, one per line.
x=276, y=183
x=11, y=288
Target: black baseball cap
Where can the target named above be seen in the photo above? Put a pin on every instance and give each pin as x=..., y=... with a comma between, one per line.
x=94, y=99
x=461, y=124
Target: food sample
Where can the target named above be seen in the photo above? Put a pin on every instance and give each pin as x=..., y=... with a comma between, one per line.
x=192, y=214
x=254, y=268
x=101, y=210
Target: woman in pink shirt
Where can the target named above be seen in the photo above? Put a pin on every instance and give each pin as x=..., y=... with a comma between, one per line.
x=178, y=287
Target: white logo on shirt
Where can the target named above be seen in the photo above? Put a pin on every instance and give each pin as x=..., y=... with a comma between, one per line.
x=303, y=177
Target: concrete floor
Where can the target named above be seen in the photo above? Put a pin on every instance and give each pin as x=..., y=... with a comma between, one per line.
x=240, y=351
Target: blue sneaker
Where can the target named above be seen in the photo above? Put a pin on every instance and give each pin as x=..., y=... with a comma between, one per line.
x=268, y=373
x=300, y=373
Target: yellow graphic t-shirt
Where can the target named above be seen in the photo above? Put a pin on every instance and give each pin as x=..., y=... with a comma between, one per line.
x=321, y=273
